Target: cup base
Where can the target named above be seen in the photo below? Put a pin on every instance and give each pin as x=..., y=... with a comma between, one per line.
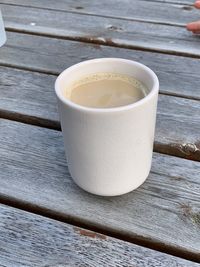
x=113, y=193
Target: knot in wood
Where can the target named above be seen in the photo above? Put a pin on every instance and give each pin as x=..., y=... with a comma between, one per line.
x=114, y=28
x=188, y=149
x=188, y=8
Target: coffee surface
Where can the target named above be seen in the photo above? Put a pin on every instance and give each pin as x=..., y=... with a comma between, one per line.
x=106, y=90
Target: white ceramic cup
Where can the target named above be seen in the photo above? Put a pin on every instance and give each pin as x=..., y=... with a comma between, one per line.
x=2, y=31
x=109, y=151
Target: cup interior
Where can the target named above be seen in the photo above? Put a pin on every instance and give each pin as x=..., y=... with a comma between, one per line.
x=103, y=65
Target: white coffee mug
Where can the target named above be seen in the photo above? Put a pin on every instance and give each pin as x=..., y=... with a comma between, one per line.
x=2, y=31
x=109, y=151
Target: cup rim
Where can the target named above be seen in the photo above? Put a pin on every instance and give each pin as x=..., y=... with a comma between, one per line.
x=140, y=102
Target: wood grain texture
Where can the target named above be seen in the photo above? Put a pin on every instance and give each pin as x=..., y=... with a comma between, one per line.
x=178, y=76
x=33, y=171
x=30, y=95
x=155, y=11
x=30, y=240
x=103, y=30
x=178, y=127
x=39, y=53
x=187, y=2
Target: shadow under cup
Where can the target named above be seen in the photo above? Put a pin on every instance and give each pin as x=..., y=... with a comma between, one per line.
x=109, y=150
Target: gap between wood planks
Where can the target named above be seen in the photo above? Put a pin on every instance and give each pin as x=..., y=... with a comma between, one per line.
x=176, y=2
x=173, y=150
x=172, y=2
x=110, y=16
x=71, y=243
x=54, y=73
x=15, y=203
x=104, y=42
x=60, y=217
x=107, y=16
x=169, y=149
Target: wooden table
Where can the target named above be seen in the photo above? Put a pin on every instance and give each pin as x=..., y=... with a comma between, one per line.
x=45, y=219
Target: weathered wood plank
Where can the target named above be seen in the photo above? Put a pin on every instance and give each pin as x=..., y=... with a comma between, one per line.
x=188, y=2
x=155, y=11
x=178, y=128
x=33, y=171
x=31, y=240
x=31, y=95
x=102, y=30
x=178, y=76
x=173, y=130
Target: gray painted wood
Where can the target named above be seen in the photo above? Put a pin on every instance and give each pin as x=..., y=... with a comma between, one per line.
x=30, y=240
x=103, y=30
x=155, y=11
x=33, y=172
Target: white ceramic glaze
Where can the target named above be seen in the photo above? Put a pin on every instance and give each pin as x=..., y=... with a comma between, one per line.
x=2, y=31
x=109, y=151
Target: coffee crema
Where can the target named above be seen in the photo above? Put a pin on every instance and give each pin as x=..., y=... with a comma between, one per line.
x=106, y=90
